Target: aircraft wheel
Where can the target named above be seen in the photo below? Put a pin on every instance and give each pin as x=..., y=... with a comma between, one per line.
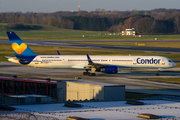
x=157, y=74
x=86, y=73
x=93, y=74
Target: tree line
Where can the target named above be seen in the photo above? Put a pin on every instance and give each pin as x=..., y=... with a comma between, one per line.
x=36, y=18
x=146, y=25
x=163, y=21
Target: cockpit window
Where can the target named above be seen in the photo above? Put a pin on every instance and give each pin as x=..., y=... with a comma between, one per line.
x=170, y=60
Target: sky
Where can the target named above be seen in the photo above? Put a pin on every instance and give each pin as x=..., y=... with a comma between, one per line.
x=50, y=6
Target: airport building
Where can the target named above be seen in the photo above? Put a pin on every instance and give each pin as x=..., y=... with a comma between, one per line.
x=82, y=91
x=33, y=91
x=19, y=86
x=129, y=32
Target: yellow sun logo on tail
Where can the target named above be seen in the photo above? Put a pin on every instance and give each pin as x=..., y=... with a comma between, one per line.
x=19, y=48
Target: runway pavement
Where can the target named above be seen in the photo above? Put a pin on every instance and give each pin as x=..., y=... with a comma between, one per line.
x=58, y=43
x=17, y=69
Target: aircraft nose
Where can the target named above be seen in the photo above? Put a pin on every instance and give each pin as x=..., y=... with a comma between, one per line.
x=173, y=64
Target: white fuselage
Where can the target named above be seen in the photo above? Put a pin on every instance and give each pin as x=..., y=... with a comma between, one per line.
x=80, y=61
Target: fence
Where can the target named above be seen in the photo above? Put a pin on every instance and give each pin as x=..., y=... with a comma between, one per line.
x=10, y=115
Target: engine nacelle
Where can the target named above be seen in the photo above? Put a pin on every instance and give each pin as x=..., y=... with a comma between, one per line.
x=110, y=69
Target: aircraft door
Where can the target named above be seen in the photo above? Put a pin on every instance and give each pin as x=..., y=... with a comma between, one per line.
x=36, y=61
x=61, y=95
x=63, y=60
x=162, y=62
x=134, y=61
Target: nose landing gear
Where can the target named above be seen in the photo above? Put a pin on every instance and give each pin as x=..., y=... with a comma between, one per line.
x=158, y=73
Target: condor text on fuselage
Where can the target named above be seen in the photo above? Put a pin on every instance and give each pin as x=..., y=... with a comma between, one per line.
x=148, y=61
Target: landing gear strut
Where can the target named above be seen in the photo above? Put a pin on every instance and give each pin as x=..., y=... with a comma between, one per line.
x=88, y=73
x=158, y=73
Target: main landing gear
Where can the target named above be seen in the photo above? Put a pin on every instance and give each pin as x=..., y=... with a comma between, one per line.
x=158, y=73
x=88, y=73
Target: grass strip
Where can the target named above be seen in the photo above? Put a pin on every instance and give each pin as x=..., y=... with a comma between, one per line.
x=171, y=80
x=45, y=32
x=130, y=95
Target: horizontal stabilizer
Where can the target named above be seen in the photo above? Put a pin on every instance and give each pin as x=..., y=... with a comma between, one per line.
x=8, y=57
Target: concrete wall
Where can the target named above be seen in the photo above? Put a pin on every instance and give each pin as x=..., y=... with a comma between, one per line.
x=114, y=93
x=61, y=91
x=79, y=91
x=8, y=100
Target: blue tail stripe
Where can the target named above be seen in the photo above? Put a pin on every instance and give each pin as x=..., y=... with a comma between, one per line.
x=13, y=36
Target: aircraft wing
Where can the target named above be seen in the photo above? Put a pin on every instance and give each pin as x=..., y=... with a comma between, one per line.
x=106, y=68
x=93, y=65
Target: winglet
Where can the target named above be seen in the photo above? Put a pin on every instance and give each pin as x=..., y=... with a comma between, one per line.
x=58, y=52
x=89, y=59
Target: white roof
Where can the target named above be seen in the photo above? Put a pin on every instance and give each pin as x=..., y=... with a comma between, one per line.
x=113, y=110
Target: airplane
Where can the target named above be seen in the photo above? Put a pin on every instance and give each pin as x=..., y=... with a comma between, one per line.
x=94, y=63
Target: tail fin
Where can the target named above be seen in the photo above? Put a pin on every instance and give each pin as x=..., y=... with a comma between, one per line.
x=21, y=50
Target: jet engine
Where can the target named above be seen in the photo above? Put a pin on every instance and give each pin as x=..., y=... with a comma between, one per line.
x=110, y=69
